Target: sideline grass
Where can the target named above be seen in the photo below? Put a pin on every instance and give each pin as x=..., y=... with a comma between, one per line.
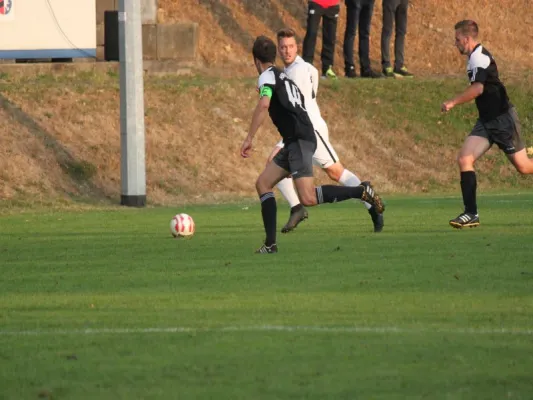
x=443, y=314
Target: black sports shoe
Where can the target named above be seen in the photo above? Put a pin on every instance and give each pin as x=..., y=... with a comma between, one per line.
x=295, y=218
x=465, y=220
x=371, y=74
x=371, y=197
x=377, y=219
x=264, y=249
x=350, y=72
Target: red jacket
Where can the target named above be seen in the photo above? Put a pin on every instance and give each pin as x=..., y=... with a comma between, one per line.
x=326, y=3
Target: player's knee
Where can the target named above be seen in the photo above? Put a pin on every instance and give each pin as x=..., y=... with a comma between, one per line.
x=261, y=186
x=258, y=185
x=465, y=162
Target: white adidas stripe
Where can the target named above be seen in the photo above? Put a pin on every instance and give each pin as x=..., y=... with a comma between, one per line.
x=274, y=328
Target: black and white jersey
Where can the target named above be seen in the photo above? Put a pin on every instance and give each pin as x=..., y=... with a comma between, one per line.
x=287, y=106
x=482, y=68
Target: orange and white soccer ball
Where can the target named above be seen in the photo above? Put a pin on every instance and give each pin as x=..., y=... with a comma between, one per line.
x=182, y=225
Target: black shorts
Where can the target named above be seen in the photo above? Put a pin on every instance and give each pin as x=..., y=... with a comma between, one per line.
x=297, y=158
x=503, y=130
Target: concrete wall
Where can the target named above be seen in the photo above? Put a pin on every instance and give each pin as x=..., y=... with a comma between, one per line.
x=177, y=42
x=148, y=10
x=170, y=41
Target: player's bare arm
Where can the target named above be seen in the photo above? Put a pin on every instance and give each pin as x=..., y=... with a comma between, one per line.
x=258, y=117
x=473, y=91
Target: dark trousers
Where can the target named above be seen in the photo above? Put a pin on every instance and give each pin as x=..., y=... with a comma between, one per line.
x=329, y=18
x=394, y=13
x=358, y=12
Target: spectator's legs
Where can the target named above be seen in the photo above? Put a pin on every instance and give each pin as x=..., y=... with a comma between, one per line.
x=389, y=7
x=365, y=19
x=401, y=30
x=353, y=9
x=314, y=13
x=329, y=35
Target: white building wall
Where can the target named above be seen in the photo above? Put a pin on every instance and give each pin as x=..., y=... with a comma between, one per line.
x=47, y=29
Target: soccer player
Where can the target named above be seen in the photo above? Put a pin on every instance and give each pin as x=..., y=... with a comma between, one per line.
x=281, y=98
x=498, y=121
x=305, y=76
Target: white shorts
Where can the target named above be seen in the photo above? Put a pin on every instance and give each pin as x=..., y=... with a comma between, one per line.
x=325, y=155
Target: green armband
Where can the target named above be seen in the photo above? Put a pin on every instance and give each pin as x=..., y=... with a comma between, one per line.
x=265, y=91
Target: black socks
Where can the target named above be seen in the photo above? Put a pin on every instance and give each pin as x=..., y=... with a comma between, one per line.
x=268, y=211
x=468, y=188
x=333, y=193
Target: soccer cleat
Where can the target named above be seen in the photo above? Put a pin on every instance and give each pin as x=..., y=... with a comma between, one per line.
x=465, y=220
x=371, y=197
x=329, y=74
x=294, y=219
x=377, y=219
x=388, y=72
x=371, y=74
x=264, y=249
x=403, y=73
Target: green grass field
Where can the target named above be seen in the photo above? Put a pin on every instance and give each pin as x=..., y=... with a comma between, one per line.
x=106, y=305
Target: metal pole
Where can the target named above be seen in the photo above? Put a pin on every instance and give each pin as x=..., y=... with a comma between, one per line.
x=132, y=158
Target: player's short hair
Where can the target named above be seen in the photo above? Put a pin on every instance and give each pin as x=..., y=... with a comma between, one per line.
x=285, y=33
x=467, y=27
x=264, y=49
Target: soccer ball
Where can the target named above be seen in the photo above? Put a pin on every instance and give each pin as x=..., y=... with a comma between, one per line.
x=182, y=225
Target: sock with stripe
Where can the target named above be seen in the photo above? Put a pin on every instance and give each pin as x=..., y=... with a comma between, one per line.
x=333, y=193
x=468, y=188
x=348, y=178
x=268, y=211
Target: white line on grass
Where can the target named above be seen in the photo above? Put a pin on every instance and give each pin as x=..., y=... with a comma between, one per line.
x=274, y=328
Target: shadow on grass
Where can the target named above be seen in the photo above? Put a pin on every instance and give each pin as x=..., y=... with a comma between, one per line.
x=227, y=22
x=79, y=171
x=262, y=10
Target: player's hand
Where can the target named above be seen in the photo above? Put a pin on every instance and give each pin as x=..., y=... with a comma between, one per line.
x=246, y=148
x=447, y=106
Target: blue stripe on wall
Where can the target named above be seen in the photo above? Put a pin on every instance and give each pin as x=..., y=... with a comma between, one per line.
x=48, y=53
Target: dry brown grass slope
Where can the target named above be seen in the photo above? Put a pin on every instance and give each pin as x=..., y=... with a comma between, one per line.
x=227, y=29
x=61, y=140
x=54, y=132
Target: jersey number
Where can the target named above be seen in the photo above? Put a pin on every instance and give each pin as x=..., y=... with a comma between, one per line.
x=294, y=94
